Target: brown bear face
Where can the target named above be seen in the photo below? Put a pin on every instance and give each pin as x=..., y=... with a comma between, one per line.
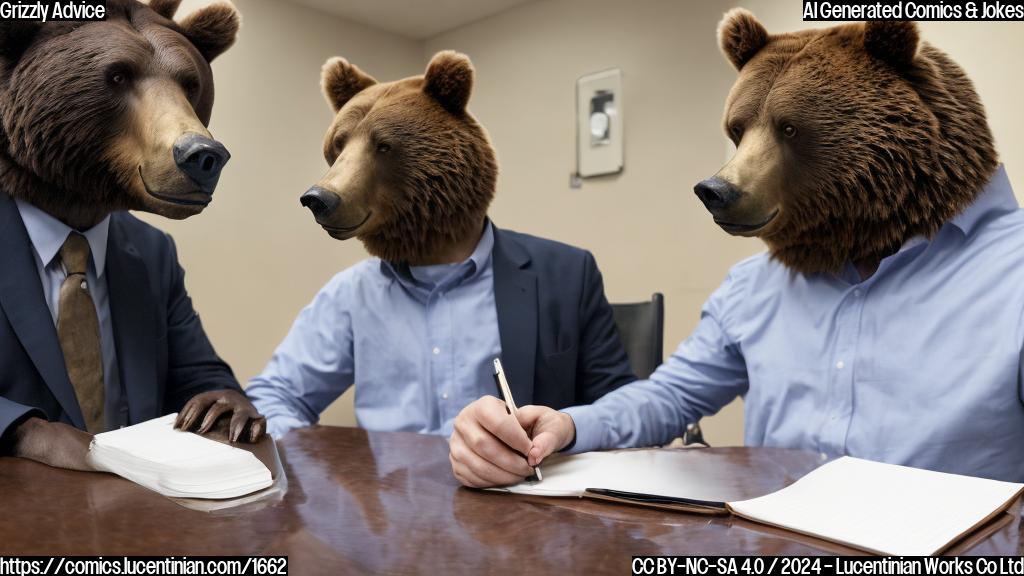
x=112, y=115
x=849, y=141
x=411, y=171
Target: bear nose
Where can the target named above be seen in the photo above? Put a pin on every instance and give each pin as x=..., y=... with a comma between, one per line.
x=201, y=159
x=716, y=194
x=320, y=201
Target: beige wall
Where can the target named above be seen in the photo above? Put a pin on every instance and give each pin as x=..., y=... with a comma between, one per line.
x=646, y=228
x=255, y=257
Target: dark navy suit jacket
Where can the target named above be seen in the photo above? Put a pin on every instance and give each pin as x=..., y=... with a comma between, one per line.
x=559, y=343
x=163, y=353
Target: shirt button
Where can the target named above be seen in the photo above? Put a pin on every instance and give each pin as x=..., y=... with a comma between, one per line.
x=436, y=350
x=444, y=396
x=840, y=365
x=856, y=293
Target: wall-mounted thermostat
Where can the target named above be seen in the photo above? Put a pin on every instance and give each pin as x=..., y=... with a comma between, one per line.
x=599, y=123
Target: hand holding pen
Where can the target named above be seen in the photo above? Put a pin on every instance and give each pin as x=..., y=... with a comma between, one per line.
x=510, y=406
x=488, y=445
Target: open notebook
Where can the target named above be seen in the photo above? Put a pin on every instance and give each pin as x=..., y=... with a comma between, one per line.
x=178, y=464
x=876, y=507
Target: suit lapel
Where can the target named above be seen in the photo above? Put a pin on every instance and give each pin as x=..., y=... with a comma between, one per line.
x=133, y=316
x=21, y=295
x=515, y=296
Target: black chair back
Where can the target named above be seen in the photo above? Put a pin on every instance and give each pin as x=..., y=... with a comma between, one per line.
x=642, y=330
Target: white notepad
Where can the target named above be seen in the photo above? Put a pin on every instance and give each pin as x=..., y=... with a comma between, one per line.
x=882, y=508
x=876, y=507
x=666, y=474
x=178, y=464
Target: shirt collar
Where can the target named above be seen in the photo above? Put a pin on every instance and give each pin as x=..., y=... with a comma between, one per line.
x=995, y=198
x=478, y=260
x=482, y=254
x=48, y=235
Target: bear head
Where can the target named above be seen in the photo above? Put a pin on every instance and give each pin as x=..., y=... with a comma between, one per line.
x=411, y=171
x=849, y=141
x=111, y=115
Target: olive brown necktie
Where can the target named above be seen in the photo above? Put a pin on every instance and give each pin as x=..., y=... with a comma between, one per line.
x=78, y=329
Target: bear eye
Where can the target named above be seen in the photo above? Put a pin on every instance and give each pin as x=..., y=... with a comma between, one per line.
x=788, y=130
x=118, y=76
x=383, y=148
x=339, y=142
x=736, y=131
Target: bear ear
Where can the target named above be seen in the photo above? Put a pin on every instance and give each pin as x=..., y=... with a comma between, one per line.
x=165, y=8
x=892, y=41
x=15, y=37
x=449, y=79
x=340, y=81
x=211, y=29
x=740, y=36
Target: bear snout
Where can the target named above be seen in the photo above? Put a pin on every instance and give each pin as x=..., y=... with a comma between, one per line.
x=320, y=201
x=201, y=159
x=716, y=194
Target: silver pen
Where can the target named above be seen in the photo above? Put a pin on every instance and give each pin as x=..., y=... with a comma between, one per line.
x=510, y=404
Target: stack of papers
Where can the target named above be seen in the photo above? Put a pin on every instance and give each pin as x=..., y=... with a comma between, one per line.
x=178, y=464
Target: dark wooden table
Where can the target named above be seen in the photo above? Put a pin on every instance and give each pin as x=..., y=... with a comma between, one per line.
x=387, y=503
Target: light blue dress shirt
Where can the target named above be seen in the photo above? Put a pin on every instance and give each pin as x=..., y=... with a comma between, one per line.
x=418, y=343
x=47, y=235
x=918, y=365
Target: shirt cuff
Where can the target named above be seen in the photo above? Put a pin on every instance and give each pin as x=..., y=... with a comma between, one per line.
x=278, y=426
x=588, y=429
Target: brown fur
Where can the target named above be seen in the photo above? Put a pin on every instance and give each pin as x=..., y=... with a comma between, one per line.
x=892, y=138
x=432, y=187
x=212, y=30
x=741, y=36
x=165, y=8
x=61, y=119
x=340, y=81
x=449, y=79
